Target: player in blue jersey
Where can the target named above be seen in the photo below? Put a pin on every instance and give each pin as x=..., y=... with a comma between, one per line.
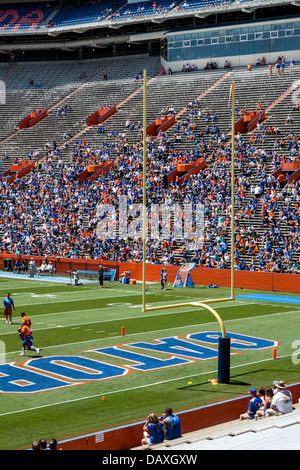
x=8, y=305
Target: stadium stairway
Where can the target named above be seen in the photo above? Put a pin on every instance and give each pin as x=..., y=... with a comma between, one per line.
x=161, y=92
x=276, y=432
x=56, y=86
x=61, y=85
x=278, y=101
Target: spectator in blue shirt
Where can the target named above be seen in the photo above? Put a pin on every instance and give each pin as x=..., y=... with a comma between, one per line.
x=153, y=430
x=254, y=404
x=172, y=424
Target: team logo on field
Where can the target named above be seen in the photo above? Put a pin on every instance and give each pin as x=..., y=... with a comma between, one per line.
x=53, y=372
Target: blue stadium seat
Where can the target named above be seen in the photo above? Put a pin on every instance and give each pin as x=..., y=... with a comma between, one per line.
x=23, y=16
x=145, y=8
x=192, y=4
x=85, y=13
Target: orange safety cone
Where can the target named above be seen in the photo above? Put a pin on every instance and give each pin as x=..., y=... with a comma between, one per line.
x=103, y=398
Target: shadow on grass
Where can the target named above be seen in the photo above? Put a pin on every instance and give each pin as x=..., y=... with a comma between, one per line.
x=234, y=381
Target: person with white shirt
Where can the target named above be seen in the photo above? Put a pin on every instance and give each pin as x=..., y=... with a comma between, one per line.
x=31, y=267
x=42, y=268
x=282, y=401
x=49, y=267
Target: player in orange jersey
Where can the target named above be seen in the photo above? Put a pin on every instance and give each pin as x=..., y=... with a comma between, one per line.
x=25, y=320
x=25, y=334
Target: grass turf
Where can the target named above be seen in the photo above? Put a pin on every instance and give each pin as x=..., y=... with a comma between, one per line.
x=68, y=320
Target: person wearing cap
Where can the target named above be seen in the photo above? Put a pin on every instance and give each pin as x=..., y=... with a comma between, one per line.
x=254, y=404
x=282, y=401
x=274, y=386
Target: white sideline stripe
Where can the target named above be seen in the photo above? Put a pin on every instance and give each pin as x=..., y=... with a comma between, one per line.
x=133, y=388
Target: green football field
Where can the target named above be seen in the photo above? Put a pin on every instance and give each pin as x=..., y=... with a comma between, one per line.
x=74, y=372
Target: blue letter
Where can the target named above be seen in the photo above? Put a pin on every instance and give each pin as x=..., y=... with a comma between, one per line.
x=179, y=347
x=78, y=368
x=237, y=341
x=145, y=363
x=15, y=379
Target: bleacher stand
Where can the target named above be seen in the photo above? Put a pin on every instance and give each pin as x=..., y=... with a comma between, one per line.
x=278, y=432
x=130, y=10
x=77, y=15
x=264, y=223
x=21, y=16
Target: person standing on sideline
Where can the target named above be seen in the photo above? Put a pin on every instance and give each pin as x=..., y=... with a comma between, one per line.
x=100, y=275
x=162, y=277
x=165, y=278
x=8, y=305
x=31, y=267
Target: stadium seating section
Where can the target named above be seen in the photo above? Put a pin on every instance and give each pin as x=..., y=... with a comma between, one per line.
x=267, y=224
x=280, y=432
x=145, y=8
x=33, y=15
x=86, y=13
x=114, y=10
x=23, y=16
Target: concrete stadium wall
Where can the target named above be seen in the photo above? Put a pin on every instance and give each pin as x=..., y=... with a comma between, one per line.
x=277, y=282
x=130, y=435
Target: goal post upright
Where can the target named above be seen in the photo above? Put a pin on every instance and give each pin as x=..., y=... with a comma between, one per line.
x=232, y=187
x=224, y=340
x=144, y=186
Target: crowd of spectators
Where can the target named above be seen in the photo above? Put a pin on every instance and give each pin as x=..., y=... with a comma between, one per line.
x=50, y=211
x=270, y=401
x=43, y=445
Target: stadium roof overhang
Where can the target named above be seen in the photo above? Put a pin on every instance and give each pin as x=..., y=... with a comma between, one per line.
x=101, y=42
x=105, y=33
x=182, y=14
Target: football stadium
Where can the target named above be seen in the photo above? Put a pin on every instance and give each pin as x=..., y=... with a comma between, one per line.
x=150, y=220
